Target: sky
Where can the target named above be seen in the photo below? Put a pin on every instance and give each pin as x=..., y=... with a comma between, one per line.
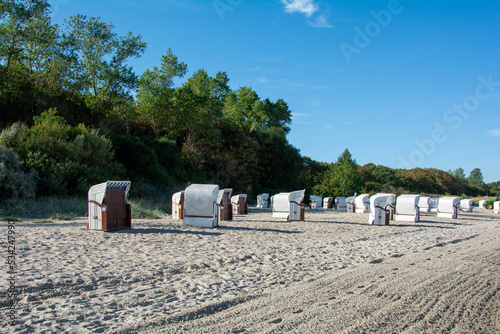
x=400, y=83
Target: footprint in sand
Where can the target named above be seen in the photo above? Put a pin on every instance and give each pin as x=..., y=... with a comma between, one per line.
x=376, y=261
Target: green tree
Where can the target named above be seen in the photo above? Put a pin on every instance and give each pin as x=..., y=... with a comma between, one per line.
x=100, y=57
x=342, y=178
x=155, y=92
x=459, y=174
x=245, y=109
x=475, y=178
x=30, y=62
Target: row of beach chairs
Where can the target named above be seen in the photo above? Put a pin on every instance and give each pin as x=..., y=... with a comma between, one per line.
x=205, y=205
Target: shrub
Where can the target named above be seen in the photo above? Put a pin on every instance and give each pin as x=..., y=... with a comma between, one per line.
x=14, y=181
x=68, y=159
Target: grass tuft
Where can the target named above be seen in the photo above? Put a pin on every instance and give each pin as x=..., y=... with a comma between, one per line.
x=10, y=219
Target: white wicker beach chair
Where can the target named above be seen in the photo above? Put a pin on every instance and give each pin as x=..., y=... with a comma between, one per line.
x=263, y=201
x=407, y=208
x=448, y=207
x=239, y=204
x=466, y=205
x=362, y=203
x=200, y=205
x=424, y=204
x=315, y=202
x=289, y=205
x=380, y=211
x=108, y=209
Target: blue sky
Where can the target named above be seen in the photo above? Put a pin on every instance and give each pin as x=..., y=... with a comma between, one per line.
x=399, y=83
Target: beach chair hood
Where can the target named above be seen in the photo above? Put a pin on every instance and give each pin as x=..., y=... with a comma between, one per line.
x=98, y=191
x=199, y=200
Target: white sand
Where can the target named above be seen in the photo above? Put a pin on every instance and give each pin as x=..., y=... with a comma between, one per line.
x=256, y=274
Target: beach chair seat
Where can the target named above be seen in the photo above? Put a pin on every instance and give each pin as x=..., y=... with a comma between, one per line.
x=496, y=207
x=107, y=206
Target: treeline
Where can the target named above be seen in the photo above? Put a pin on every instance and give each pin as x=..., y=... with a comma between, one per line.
x=73, y=114
x=345, y=177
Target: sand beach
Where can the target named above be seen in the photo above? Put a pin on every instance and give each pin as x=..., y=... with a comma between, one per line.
x=332, y=273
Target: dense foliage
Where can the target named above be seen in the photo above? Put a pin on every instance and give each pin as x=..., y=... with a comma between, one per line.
x=74, y=114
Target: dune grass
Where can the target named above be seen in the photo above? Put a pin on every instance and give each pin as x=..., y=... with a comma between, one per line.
x=67, y=208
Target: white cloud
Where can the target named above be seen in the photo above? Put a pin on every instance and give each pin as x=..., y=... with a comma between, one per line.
x=320, y=22
x=494, y=133
x=306, y=7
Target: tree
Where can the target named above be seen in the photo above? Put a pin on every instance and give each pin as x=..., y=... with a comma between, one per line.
x=100, y=57
x=475, y=178
x=245, y=109
x=155, y=91
x=30, y=66
x=342, y=178
x=459, y=174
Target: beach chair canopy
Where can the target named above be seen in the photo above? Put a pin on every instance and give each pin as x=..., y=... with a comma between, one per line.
x=341, y=201
x=315, y=201
x=199, y=200
x=281, y=201
x=391, y=200
x=466, y=205
x=448, y=204
x=221, y=193
x=424, y=202
x=297, y=196
x=98, y=191
x=362, y=199
x=362, y=203
x=236, y=198
x=407, y=204
x=382, y=200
